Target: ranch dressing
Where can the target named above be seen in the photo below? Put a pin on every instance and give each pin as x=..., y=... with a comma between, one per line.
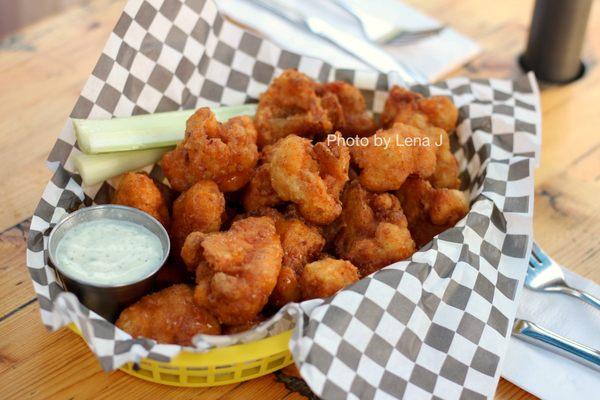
x=108, y=252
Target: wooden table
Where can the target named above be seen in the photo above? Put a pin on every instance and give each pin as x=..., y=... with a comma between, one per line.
x=42, y=70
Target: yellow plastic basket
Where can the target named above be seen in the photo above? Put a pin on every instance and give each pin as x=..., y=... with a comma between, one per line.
x=220, y=366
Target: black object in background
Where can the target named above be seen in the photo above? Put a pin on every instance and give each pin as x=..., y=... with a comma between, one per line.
x=555, y=39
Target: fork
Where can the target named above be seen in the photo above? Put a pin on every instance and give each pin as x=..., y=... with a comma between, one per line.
x=385, y=32
x=544, y=274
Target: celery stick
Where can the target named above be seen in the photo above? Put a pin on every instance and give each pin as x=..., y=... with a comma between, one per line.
x=142, y=131
x=96, y=168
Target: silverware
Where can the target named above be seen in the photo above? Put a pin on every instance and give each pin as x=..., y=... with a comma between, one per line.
x=384, y=32
x=544, y=274
x=363, y=50
x=538, y=336
x=410, y=36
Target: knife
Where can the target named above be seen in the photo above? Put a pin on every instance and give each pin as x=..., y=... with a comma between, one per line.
x=538, y=336
x=365, y=51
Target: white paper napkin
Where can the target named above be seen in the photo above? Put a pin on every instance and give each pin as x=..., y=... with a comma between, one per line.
x=546, y=374
x=434, y=57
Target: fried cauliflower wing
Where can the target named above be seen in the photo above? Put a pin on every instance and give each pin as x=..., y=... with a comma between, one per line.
x=290, y=105
x=287, y=289
x=238, y=269
x=138, y=190
x=437, y=117
x=392, y=155
x=259, y=192
x=225, y=153
x=198, y=209
x=373, y=231
x=325, y=277
x=412, y=108
x=430, y=211
x=310, y=176
x=301, y=244
x=347, y=109
x=446, y=165
x=168, y=316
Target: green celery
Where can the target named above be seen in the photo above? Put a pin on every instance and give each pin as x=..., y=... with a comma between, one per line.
x=96, y=168
x=96, y=136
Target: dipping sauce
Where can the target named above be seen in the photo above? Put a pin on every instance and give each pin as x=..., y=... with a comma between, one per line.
x=108, y=252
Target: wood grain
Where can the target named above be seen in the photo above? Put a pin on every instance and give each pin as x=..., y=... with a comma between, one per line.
x=42, y=70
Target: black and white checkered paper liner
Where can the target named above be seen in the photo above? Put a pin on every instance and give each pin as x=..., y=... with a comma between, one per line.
x=436, y=325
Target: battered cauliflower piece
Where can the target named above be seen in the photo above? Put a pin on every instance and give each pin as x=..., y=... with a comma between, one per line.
x=325, y=277
x=238, y=269
x=301, y=243
x=168, y=316
x=446, y=165
x=138, y=190
x=199, y=209
x=259, y=192
x=287, y=289
x=191, y=251
x=347, y=109
x=392, y=155
x=373, y=230
x=290, y=105
x=412, y=108
x=430, y=211
x=437, y=117
x=310, y=176
x=225, y=153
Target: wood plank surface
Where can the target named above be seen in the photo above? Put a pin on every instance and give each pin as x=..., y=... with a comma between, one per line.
x=42, y=69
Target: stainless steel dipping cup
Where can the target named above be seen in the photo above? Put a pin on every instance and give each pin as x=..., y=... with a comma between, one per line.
x=107, y=300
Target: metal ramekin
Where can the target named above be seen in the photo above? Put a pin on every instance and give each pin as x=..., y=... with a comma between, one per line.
x=107, y=300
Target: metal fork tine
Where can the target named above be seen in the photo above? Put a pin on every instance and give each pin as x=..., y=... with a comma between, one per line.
x=540, y=254
x=408, y=36
x=533, y=263
x=545, y=274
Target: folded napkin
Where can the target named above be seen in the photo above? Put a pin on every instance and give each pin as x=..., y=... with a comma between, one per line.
x=434, y=57
x=546, y=374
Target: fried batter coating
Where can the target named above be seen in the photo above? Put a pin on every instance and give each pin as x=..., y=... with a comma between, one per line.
x=430, y=211
x=446, y=165
x=373, y=230
x=259, y=192
x=225, y=153
x=392, y=155
x=287, y=289
x=413, y=109
x=290, y=105
x=238, y=269
x=138, y=190
x=301, y=243
x=199, y=209
x=191, y=251
x=168, y=316
x=347, y=109
x=310, y=176
x=325, y=277
x=437, y=117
